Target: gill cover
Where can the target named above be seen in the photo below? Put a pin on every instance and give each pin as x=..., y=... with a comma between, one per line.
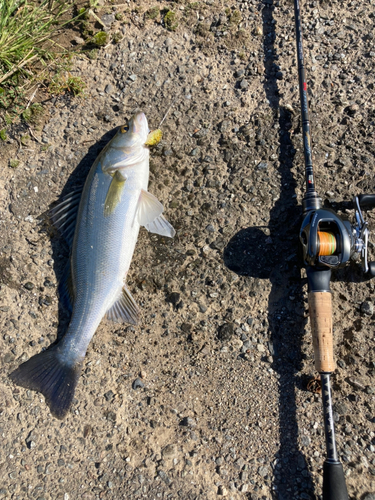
x=127, y=148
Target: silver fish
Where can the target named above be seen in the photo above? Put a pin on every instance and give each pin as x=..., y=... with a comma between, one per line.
x=102, y=225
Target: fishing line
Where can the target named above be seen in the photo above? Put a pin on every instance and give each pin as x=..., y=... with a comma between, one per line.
x=327, y=243
x=169, y=108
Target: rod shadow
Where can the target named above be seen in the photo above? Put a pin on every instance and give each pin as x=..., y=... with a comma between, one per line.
x=276, y=257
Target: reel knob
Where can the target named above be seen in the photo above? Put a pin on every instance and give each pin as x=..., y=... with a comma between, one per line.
x=367, y=201
x=371, y=269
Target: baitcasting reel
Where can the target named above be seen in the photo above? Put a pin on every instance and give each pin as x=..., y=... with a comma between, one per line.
x=329, y=241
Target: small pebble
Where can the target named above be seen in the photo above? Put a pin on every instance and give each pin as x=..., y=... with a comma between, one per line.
x=263, y=470
x=174, y=298
x=138, y=384
x=244, y=84
x=356, y=383
x=226, y=332
x=188, y=422
x=367, y=308
x=202, y=307
x=263, y=165
x=77, y=40
x=109, y=395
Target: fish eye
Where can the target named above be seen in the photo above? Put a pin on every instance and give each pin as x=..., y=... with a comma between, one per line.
x=124, y=129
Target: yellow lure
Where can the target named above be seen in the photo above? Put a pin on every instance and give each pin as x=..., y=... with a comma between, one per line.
x=154, y=137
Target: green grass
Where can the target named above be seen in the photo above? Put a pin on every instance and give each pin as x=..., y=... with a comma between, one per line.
x=170, y=20
x=25, y=29
x=14, y=163
x=100, y=38
x=62, y=83
x=152, y=13
x=28, y=52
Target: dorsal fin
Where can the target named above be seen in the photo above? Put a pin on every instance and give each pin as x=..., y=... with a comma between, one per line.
x=64, y=214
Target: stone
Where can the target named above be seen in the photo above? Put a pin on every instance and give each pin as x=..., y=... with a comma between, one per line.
x=367, y=308
x=244, y=84
x=77, y=40
x=263, y=165
x=263, y=470
x=169, y=451
x=226, y=332
x=188, y=422
x=174, y=298
x=138, y=384
x=108, y=19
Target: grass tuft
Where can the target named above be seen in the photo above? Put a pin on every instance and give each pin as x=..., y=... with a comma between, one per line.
x=170, y=20
x=25, y=29
x=62, y=83
x=14, y=163
x=152, y=13
x=100, y=38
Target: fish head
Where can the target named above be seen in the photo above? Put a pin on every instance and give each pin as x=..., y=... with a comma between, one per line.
x=135, y=132
x=129, y=147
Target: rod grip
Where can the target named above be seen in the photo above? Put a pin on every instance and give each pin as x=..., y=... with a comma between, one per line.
x=334, y=486
x=320, y=308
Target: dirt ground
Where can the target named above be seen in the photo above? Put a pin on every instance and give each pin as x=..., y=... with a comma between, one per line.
x=207, y=397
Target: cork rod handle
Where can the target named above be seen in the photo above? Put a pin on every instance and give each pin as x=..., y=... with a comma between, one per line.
x=320, y=306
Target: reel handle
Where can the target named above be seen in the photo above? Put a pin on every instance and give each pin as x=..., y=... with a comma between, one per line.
x=320, y=310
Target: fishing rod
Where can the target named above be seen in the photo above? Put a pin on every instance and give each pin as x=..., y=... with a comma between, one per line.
x=328, y=242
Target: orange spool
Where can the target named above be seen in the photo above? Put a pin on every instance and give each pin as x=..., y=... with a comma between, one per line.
x=327, y=243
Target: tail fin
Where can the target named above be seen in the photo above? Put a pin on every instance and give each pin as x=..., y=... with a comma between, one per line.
x=47, y=373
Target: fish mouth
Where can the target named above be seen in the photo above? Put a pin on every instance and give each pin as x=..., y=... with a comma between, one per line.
x=139, y=124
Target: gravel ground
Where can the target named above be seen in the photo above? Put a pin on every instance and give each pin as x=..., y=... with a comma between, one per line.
x=207, y=396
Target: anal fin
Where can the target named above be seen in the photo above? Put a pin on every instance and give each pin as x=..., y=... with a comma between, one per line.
x=161, y=226
x=125, y=309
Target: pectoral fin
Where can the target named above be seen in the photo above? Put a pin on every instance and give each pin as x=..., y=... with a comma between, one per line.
x=113, y=197
x=125, y=309
x=149, y=208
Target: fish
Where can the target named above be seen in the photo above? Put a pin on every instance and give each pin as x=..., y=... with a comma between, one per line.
x=101, y=225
